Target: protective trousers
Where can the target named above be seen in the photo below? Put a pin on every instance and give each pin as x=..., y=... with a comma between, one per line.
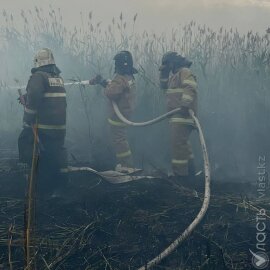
x=182, y=157
x=120, y=143
x=52, y=159
x=52, y=165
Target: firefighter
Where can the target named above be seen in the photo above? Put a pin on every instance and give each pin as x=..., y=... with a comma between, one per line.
x=121, y=90
x=180, y=85
x=45, y=111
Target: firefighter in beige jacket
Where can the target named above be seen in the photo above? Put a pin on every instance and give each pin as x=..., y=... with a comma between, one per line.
x=121, y=90
x=180, y=85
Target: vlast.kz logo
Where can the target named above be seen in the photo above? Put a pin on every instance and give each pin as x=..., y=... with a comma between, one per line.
x=260, y=260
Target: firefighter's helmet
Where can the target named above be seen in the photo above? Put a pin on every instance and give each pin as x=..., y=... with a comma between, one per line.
x=167, y=61
x=43, y=57
x=124, y=63
x=168, y=58
x=180, y=62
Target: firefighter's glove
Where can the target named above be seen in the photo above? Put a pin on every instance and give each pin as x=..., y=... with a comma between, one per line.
x=96, y=80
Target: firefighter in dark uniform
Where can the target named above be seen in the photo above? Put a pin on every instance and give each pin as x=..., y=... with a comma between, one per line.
x=180, y=85
x=45, y=111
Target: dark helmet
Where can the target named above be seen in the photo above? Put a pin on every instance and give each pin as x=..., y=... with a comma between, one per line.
x=124, y=63
x=168, y=58
x=180, y=62
x=167, y=61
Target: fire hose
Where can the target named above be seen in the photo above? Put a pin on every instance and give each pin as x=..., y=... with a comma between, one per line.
x=187, y=232
x=143, y=124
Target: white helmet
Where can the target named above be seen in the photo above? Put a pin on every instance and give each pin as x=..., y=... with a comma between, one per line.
x=44, y=57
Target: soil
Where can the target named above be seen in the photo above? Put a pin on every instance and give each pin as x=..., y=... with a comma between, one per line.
x=93, y=224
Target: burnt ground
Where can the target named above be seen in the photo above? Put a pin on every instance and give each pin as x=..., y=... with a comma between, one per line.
x=97, y=225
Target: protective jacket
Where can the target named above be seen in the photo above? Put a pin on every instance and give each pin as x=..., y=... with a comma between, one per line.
x=46, y=103
x=182, y=92
x=121, y=90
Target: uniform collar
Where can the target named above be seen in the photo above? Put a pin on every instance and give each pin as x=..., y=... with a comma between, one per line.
x=52, y=69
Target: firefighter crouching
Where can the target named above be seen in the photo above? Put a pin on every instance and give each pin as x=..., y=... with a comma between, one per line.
x=121, y=90
x=45, y=109
x=180, y=85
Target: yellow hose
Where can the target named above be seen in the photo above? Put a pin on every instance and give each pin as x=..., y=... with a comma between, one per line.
x=30, y=205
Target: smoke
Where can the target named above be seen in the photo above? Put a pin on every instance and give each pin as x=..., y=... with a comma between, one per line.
x=232, y=71
x=158, y=15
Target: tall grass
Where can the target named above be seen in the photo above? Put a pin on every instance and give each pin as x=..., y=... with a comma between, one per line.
x=232, y=71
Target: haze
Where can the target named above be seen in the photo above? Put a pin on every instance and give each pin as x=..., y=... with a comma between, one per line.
x=159, y=15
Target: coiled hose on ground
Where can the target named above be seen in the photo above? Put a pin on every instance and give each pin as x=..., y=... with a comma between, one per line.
x=207, y=191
